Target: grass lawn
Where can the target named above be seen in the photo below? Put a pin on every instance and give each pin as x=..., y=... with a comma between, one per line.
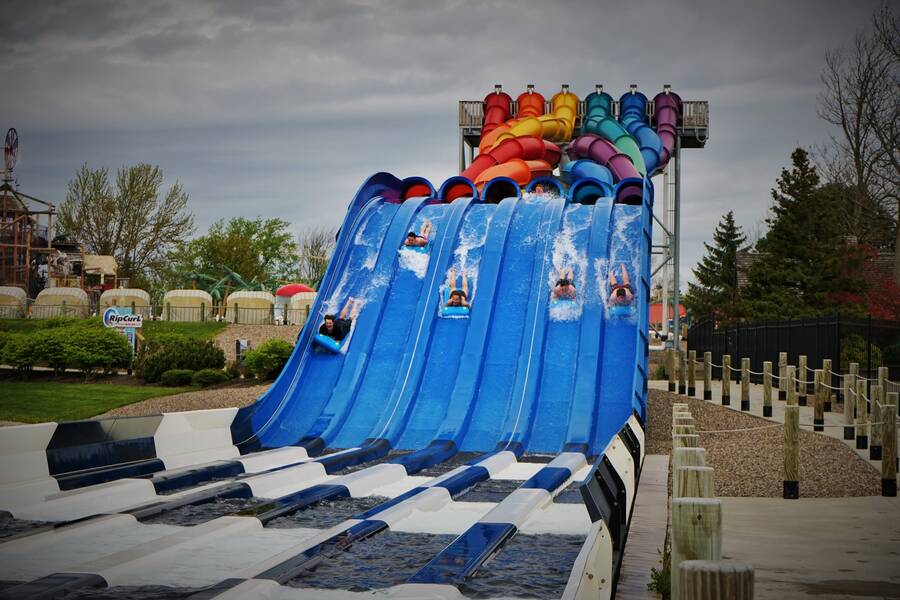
x=37, y=402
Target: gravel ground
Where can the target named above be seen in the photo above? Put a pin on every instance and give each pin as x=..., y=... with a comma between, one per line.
x=217, y=397
x=257, y=334
x=750, y=463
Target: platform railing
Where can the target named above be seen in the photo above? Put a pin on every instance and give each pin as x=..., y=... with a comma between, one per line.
x=695, y=113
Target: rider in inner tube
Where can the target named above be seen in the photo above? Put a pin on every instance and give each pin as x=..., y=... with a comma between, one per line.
x=565, y=286
x=418, y=240
x=459, y=297
x=621, y=294
x=338, y=327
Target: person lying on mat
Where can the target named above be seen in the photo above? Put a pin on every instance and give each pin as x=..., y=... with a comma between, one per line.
x=565, y=286
x=420, y=239
x=620, y=294
x=458, y=296
x=338, y=327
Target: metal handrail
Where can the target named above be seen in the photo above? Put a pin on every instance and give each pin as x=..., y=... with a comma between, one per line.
x=695, y=113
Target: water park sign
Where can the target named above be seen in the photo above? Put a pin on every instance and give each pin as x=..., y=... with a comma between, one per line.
x=113, y=318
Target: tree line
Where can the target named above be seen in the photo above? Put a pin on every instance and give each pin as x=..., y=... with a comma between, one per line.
x=151, y=233
x=833, y=210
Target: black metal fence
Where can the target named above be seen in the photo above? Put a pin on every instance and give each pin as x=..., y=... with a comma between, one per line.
x=870, y=342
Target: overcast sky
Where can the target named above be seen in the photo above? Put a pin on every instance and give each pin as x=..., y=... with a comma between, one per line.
x=284, y=108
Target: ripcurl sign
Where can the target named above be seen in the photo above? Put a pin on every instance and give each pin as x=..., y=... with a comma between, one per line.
x=112, y=318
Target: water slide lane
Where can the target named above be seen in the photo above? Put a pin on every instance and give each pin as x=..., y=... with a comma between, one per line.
x=371, y=285
x=440, y=362
x=633, y=116
x=582, y=411
x=382, y=192
x=616, y=397
x=562, y=349
x=409, y=370
x=599, y=120
x=531, y=226
x=321, y=369
x=454, y=421
x=372, y=388
x=520, y=412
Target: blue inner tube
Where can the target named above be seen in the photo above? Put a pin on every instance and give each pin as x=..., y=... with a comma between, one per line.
x=563, y=303
x=421, y=249
x=452, y=311
x=621, y=310
x=328, y=343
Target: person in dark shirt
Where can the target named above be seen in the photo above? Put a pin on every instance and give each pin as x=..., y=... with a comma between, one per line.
x=338, y=327
x=421, y=239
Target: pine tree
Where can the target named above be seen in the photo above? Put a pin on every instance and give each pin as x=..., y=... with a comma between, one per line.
x=802, y=268
x=716, y=292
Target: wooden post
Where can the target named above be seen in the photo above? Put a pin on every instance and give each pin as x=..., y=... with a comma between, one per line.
x=745, y=384
x=716, y=580
x=168, y=311
x=782, y=369
x=682, y=386
x=789, y=375
x=235, y=312
x=849, y=406
x=889, y=447
x=767, y=388
x=877, y=414
x=791, y=452
x=203, y=311
x=802, y=387
x=685, y=457
x=670, y=369
x=827, y=380
x=726, y=380
x=692, y=373
x=862, y=416
x=819, y=409
x=707, y=375
x=686, y=441
x=694, y=482
x=696, y=535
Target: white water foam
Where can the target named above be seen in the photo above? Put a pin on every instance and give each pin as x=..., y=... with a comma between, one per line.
x=566, y=257
x=414, y=261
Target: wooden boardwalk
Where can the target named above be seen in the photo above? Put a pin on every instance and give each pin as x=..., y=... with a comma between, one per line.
x=648, y=530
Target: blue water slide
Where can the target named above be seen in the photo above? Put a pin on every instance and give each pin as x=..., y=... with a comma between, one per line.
x=623, y=379
x=582, y=415
x=452, y=425
x=408, y=368
x=374, y=289
x=521, y=410
x=533, y=224
x=575, y=170
x=379, y=194
x=563, y=348
x=633, y=116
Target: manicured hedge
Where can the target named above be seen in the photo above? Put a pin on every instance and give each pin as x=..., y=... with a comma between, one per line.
x=176, y=377
x=207, y=377
x=174, y=351
x=65, y=345
x=267, y=361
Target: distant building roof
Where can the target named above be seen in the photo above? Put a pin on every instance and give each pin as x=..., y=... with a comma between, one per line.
x=100, y=264
x=656, y=312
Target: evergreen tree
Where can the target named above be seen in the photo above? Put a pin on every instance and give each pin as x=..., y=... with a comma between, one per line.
x=804, y=262
x=716, y=292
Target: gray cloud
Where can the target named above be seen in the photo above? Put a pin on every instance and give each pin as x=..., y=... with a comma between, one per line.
x=283, y=108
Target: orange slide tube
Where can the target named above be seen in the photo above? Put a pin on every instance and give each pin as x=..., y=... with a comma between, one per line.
x=543, y=155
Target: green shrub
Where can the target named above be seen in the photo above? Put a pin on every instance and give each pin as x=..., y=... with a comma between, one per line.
x=891, y=355
x=176, y=377
x=65, y=345
x=235, y=369
x=661, y=372
x=853, y=349
x=267, y=361
x=21, y=352
x=207, y=377
x=173, y=351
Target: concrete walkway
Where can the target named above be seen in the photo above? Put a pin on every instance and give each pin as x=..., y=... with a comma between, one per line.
x=834, y=422
x=647, y=533
x=823, y=548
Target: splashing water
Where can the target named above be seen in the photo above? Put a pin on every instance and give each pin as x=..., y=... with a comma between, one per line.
x=622, y=251
x=414, y=261
x=566, y=257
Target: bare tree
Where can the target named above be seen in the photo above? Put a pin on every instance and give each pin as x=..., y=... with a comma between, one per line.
x=316, y=245
x=860, y=97
x=131, y=222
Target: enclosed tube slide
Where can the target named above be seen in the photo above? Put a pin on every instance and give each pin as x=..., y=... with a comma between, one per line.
x=604, y=152
x=633, y=116
x=666, y=117
x=599, y=120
